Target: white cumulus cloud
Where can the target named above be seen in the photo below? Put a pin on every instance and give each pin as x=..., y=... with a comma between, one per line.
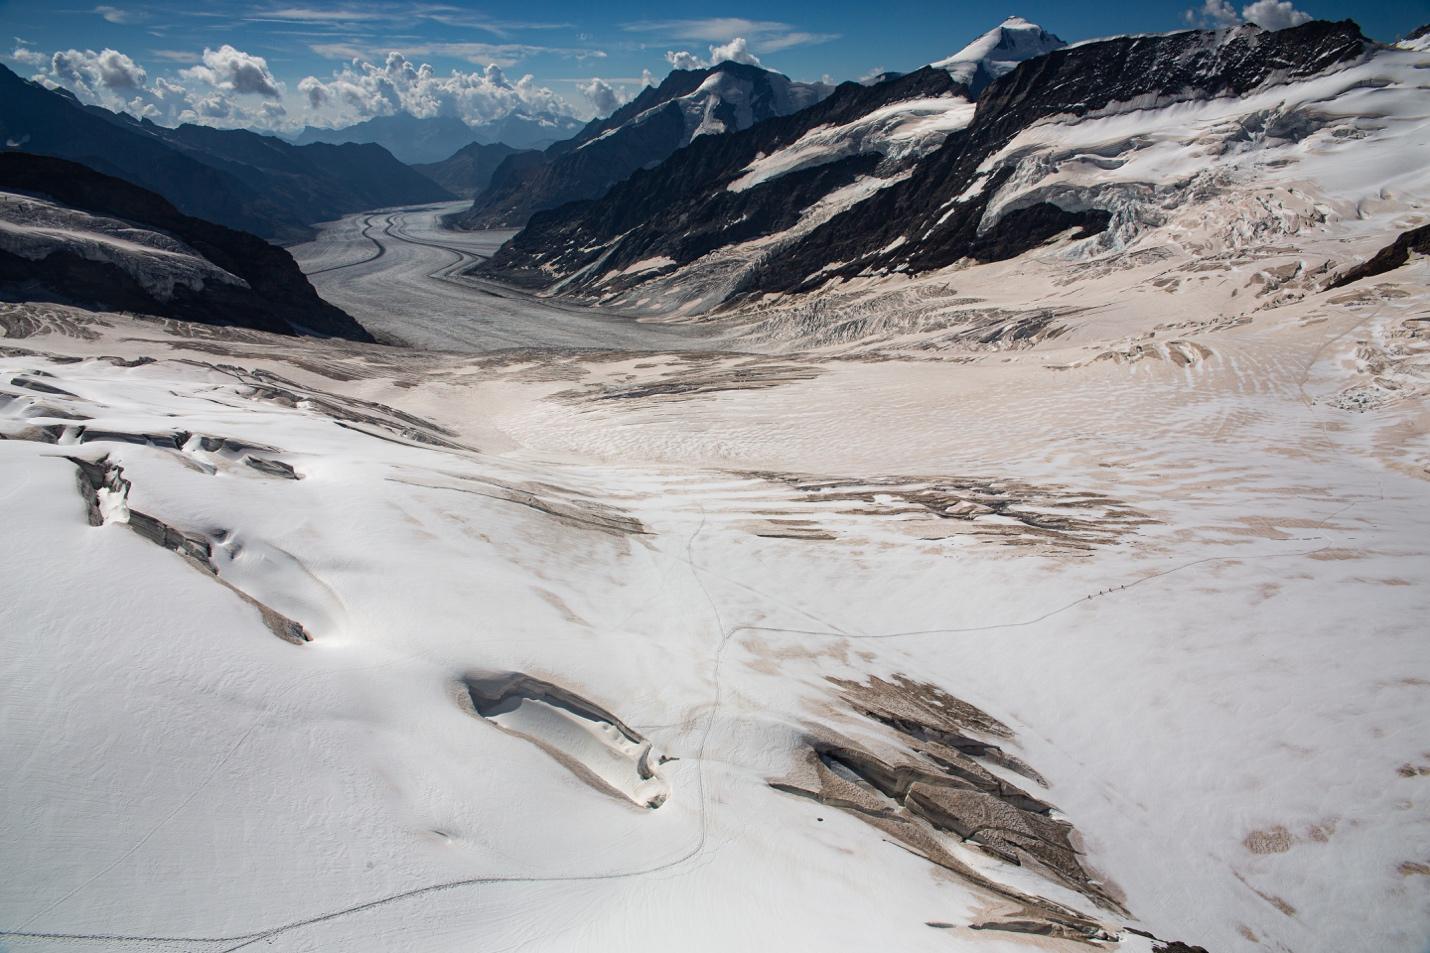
x=231, y=88
x=683, y=59
x=1274, y=14
x=235, y=71
x=361, y=90
x=603, y=96
x=1267, y=14
x=736, y=50
x=86, y=71
x=204, y=94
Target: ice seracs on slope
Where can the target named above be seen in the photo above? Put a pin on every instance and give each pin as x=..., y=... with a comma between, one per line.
x=859, y=193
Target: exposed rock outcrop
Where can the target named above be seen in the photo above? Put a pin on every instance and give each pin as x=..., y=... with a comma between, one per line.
x=1392, y=256
x=127, y=249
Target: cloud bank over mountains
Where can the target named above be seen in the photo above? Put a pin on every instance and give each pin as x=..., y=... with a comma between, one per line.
x=1267, y=14
x=224, y=85
x=230, y=87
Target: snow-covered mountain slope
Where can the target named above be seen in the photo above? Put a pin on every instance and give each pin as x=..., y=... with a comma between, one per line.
x=33, y=228
x=1181, y=147
x=602, y=252
x=687, y=105
x=999, y=51
x=69, y=234
x=752, y=192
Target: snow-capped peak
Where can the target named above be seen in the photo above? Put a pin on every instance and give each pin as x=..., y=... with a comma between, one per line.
x=998, y=51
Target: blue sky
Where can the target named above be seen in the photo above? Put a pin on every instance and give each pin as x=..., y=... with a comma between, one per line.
x=261, y=56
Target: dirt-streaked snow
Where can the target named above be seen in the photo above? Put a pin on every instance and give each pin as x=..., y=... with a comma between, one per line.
x=1192, y=588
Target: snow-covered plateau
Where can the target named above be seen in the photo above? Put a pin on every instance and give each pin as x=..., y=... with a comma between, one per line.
x=1074, y=601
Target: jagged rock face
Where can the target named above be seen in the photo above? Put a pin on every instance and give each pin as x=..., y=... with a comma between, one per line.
x=687, y=105
x=1392, y=256
x=940, y=784
x=94, y=240
x=683, y=208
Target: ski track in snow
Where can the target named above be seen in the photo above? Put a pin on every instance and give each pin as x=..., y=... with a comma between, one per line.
x=244, y=940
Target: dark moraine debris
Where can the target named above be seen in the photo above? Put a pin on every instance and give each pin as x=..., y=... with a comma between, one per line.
x=935, y=781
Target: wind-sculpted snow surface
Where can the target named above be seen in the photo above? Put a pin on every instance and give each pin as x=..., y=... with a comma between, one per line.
x=1105, y=637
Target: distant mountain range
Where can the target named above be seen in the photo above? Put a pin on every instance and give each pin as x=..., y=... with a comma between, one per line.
x=417, y=140
x=468, y=171
x=237, y=178
x=72, y=235
x=687, y=105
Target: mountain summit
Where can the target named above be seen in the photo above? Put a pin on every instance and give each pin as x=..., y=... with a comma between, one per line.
x=998, y=51
x=687, y=105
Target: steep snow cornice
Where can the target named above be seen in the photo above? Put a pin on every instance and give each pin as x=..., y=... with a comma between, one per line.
x=998, y=52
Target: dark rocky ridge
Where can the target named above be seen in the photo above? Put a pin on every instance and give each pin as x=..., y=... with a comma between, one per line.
x=684, y=219
x=234, y=177
x=1389, y=258
x=681, y=208
x=408, y=138
x=428, y=139
x=278, y=298
x=468, y=171
x=640, y=134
